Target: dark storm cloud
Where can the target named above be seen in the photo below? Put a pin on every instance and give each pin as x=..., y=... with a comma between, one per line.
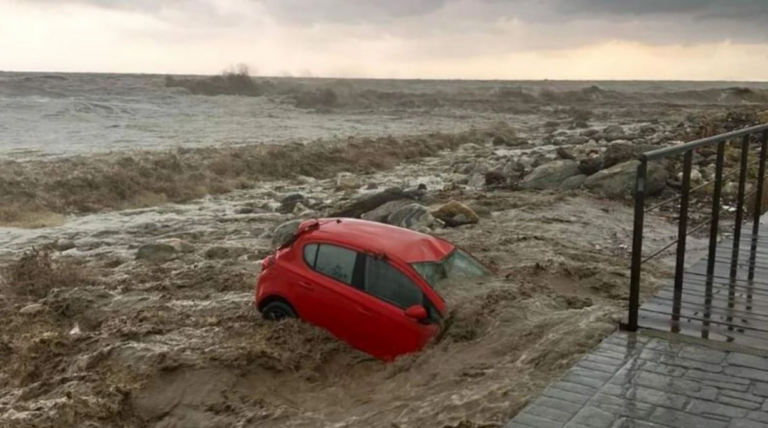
x=530, y=10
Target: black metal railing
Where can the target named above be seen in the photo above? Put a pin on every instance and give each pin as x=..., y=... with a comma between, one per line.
x=756, y=137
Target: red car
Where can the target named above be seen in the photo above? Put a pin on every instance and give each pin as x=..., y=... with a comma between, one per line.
x=367, y=283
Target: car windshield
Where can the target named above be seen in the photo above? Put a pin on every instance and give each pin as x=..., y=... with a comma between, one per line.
x=458, y=264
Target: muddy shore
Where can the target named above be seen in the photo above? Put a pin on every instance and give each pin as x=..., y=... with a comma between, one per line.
x=142, y=317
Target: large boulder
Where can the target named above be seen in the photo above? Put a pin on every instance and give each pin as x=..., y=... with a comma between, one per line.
x=551, y=175
x=285, y=231
x=288, y=203
x=624, y=151
x=573, y=183
x=367, y=203
x=382, y=213
x=618, y=182
x=455, y=214
x=413, y=216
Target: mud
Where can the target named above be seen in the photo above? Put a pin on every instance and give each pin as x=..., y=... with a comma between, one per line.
x=175, y=343
x=144, y=317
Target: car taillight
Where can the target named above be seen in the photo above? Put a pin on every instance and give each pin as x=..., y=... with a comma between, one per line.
x=267, y=263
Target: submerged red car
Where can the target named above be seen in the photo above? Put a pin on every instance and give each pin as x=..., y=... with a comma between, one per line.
x=367, y=283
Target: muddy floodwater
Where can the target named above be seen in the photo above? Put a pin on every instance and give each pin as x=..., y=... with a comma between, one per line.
x=135, y=217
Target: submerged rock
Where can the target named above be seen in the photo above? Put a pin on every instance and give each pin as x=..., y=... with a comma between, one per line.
x=549, y=176
x=32, y=309
x=157, y=252
x=224, y=253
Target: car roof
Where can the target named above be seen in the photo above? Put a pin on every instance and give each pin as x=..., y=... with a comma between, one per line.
x=405, y=244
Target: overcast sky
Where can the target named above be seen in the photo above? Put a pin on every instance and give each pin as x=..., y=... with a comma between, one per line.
x=484, y=39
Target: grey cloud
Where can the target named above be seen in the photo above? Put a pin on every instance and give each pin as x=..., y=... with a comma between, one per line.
x=350, y=11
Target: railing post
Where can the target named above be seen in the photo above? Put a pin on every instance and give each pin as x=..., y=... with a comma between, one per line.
x=758, y=205
x=757, y=213
x=743, y=170
x=714, y=231
x=637, y=246
x=682, y=234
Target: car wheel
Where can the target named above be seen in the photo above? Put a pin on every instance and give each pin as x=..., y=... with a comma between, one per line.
x=277, y=311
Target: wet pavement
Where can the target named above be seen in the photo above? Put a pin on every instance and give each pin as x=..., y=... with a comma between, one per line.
x=633, y=380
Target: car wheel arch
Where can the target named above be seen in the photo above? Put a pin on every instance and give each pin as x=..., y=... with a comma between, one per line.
x=274, y=298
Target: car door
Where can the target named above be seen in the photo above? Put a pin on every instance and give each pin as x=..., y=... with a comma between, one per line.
x=389, y=292
x=331, y=288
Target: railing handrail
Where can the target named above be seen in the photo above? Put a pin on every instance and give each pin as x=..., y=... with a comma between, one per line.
x=676, y=150
x=640, y=194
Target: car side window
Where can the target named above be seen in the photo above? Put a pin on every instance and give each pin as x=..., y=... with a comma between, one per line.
x=336, y=262
x=310, y=254
x=387, y=283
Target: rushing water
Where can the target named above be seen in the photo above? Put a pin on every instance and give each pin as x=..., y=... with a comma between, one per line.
x=65, y=114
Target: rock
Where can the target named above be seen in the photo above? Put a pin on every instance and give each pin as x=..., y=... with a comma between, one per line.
x=157, y=252
x=382, y=213
x=285, y=231
x=499, y=141
x=371, y=186
x=413, y=216
x=32, y=309
x=455, y=214
x=65, y=245
x=301, y=211
x=620, y=152
x=551, y=175
x=591, y=166
x=589, y=133
x=562, y=153
x=369, y=203
x=288, y=203
x=619, y=181
x=526, y=161
x=580, y=124
x=477, y=180
x=245, y=210
x=179, y=245
x=347, y=181
x=493, y=178
x=510, y=142
x=613, y=133
x=573, y=183
x=513, y=170
x=224, y=253
x=696, y=177
x=577, y=140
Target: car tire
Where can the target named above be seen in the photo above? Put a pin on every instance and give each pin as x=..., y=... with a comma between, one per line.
x=278, y=310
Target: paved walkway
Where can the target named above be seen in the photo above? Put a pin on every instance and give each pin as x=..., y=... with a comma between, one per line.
x=633, y=380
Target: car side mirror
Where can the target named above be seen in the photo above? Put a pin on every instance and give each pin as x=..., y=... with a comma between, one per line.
x=417, y=312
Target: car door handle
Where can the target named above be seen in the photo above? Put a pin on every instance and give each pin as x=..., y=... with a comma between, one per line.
x=365, y=311
x=306, y=285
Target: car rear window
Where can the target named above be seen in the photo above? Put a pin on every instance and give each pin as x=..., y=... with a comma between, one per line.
x=310, y=254
x=336, y=262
